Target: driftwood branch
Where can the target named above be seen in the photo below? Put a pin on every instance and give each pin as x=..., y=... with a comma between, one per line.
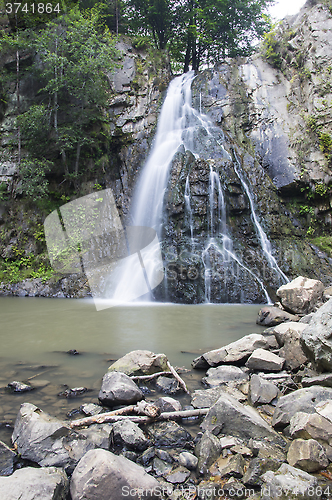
x=177, y=377
x=115, y=416
x=149, y=377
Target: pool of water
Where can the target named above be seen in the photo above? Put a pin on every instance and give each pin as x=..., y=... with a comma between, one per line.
x=36, y=335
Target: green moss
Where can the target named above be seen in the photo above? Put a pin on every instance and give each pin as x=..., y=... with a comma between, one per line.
x=325, y=144
x=324, y=243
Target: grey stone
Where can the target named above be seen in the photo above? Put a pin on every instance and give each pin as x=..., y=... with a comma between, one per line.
x=117, y=388
x=324, y=408
x=288, y=331
x=301, y=295
x=307, y=454
x=229, y=442
x=265, y=360
x=303, y=400
x=272, y=316
x=169, y=434
x=278, y=484
x=223, y=375
x=160, y=467
x=178, y=475
x=316, y=338
x=256, y=468
x=188, y=460
x=263, y=449
x=128, y=434
x=236, y=352
x=262, y=391
x=325, y=380
x=239, y=420
x=207, y=450
x=16, y=386
x=311, y=425
x=167, y=385
x=101, y=475
x=167, y=404
x=7, y=460
x=140, y=362
x=99, y=434
x=91, y=409
x=47, y=440
x=234, y=467
x=288, y=336
x=204, y=398
x=30, y=483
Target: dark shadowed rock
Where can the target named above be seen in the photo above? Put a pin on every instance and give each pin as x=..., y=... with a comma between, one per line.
x=325, y=380
x=207, y=451
x=101, y=475
x=30, y=483
x=169, y=434
x=272, y=316
x=7, y=460
x=127, y=433
x=167, y=385
x=262, y=391
x=316, y=338
x=117, y=388
x=257, y=467
x=303, y=400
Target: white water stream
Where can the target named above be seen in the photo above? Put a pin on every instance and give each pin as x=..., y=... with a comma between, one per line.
x=181, y=128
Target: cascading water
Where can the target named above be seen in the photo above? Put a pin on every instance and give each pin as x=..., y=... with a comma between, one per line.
x=181, y=128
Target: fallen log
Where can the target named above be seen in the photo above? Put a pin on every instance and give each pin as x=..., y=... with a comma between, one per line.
x=177, y=377
x=114, y=416
x=149, y=377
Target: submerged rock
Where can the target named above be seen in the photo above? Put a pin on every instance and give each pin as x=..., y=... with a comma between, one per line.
x=17, y=386
x=101, y=475
x=272, y=316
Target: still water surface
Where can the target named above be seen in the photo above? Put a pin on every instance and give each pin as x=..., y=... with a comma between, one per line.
x=36, y=333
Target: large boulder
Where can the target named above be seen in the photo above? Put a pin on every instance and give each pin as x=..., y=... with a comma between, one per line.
x=303, y=400
x=236, y=352
x=307, y=454
x=316, y=337
x=229, y=416
x=288, y=336
x=46, y=440
x=117, y=389
x=101, y=475
x=286, y=481
x=140, y=362
x=301, y=295
x=30, y=483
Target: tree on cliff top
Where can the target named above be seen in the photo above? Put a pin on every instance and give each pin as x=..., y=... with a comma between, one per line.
x=200, y=31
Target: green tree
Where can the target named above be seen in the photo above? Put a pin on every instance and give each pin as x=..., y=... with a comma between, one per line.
x=200, y=31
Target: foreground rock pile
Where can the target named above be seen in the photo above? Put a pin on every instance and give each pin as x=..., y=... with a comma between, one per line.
x=260, y=427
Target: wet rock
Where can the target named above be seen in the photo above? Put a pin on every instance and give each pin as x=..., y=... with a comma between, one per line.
x=7, y=460
x=236, y=352
x=140, y=362
x=256, y=468
x=239, y=420
x=30, y=483
x=278, y=484
x=207, y=451
x=160, y=467
x=265, y=361
x=117, y=388
x=262, y=391
x=127, y=433
x=303, y=400
x=325, y=380
x=101, y=475
x=178, y=475
x=316, y=337
x=46, y=440
x=272, y=316
x=234, y=467
x=204, y=398
x=73, y=393
x=147, y=456
x=307, y=454
x=98, y=434
x=167, y=385
x=169, y=434
x=17, y=386
x=167, y=404
x=223, y=375
x=188, y=460
x=310, y=425
x=164, y=455
x=90, y=409
x=301, y=295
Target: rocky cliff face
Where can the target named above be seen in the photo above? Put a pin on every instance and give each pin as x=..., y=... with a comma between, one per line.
x=274, y=113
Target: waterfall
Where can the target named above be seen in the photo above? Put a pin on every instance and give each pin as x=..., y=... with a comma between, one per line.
x=182, y=128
